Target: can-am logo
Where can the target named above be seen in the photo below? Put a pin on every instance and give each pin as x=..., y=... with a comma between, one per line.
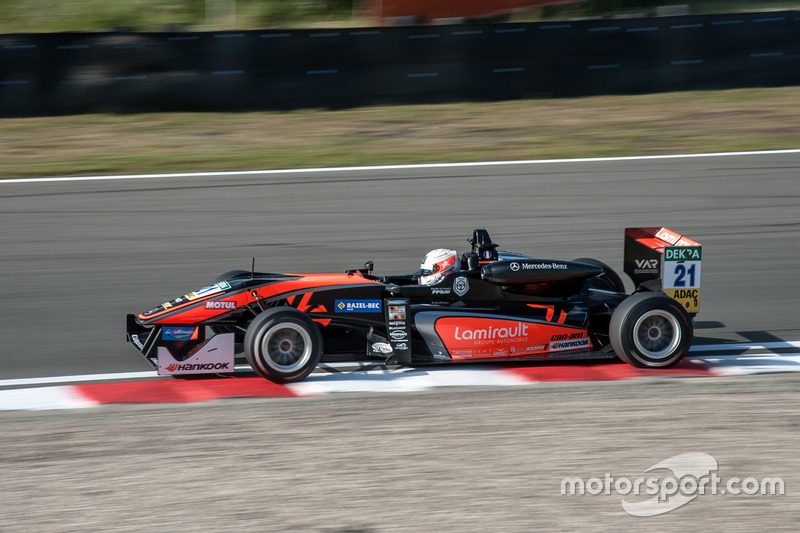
x=221, y=305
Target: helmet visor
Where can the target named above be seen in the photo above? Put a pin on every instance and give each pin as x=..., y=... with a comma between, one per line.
x=430, y=271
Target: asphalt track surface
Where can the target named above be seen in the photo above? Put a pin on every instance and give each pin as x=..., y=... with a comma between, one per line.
x=77, y=256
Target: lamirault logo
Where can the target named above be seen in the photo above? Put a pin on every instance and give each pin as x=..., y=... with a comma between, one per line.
x=692, y=475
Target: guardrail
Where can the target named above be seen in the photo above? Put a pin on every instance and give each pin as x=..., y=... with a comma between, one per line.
x=282, y=69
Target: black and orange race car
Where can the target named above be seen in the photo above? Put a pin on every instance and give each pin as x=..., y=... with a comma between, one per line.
x=499, y=306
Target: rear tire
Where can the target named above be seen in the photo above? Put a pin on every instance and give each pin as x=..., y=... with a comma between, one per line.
x=283, y=345
x=650, y=330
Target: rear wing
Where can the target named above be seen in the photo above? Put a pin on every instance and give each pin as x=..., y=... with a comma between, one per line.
x=659, y=259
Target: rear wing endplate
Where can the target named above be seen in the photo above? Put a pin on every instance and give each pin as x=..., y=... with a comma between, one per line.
x=661, y=259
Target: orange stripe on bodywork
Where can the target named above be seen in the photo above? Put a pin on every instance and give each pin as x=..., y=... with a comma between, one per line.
x=549, y=308
x=303, y=305
x=323, y=321
x=298, y=284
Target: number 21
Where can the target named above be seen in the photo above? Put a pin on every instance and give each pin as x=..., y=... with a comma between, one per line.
x=681, y=271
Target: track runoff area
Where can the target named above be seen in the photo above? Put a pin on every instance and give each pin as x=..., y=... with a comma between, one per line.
x=73, y=392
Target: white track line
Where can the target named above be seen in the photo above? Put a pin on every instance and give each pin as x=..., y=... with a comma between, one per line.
x=403, y=380
x=40, y=399
x=394, y=167
x=76, y=379
x=727, y=349
x=745, y=346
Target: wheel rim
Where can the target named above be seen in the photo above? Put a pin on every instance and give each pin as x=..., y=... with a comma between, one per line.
x=657, y=334
x=286, y=347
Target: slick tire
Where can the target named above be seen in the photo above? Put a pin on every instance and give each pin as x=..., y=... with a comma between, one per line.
x=283, y=345
x=650, y=330
x=611, y=280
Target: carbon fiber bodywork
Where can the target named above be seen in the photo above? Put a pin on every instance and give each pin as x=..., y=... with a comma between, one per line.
x=500, y=306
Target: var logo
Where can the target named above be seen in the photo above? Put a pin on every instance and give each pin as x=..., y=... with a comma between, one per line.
x=646, y=263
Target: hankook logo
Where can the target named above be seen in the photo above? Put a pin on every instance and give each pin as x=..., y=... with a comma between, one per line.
x=174, y=367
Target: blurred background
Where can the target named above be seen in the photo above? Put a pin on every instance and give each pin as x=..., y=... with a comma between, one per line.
x=170, y=15
x=82, y=84
x=76, y=57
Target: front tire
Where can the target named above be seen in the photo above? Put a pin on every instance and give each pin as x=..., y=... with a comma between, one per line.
x=650, y=330
x=283, y=345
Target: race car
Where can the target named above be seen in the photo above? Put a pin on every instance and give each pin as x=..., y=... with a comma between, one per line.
x=489, y=305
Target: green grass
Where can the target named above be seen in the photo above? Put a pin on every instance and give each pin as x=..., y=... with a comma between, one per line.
x=690, y=122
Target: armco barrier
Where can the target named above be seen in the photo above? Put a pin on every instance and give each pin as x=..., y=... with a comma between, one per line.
x=283, y=69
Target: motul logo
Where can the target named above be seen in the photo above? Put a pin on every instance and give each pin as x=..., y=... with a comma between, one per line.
x=221, y=305
x=175, y=367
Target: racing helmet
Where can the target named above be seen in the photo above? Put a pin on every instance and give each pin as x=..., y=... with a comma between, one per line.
x=437, y=264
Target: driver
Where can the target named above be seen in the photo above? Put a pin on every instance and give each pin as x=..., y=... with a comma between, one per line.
x=437, y=264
